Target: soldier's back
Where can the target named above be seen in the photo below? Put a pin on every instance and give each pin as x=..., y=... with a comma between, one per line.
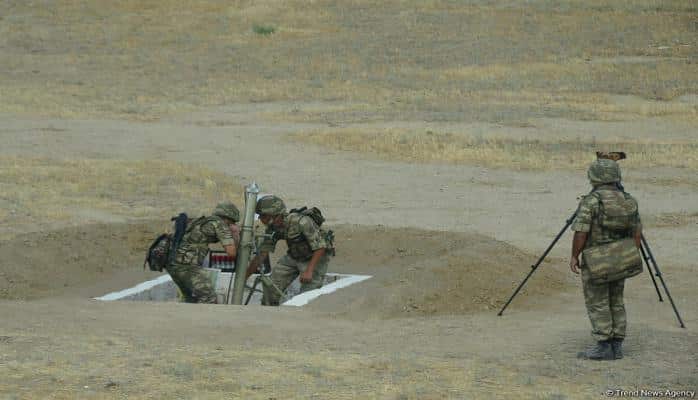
x=615, y=215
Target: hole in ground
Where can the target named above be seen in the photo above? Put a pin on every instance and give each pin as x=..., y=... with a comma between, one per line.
x=164, y=289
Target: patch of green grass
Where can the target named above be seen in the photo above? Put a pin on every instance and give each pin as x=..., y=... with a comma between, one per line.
x=264, y=30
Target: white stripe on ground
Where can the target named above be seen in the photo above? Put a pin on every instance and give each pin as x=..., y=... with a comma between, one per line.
x=297, y=301
x=141, y=287
x=346, y=280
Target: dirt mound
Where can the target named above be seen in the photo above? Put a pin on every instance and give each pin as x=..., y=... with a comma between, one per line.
x=415, y=271
x=433, y=273
x=79, y=261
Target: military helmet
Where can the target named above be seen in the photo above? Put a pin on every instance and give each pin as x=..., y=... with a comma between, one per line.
x=270, y=205
x=604, y=171
x=227, y=210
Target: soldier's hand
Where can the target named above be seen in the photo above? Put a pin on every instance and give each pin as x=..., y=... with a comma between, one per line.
x=252, y=267
x=574, y=265
x=235, y=230
x=306, y=276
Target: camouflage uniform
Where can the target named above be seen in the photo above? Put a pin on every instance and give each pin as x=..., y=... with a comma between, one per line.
x=303, y=237
x=186, y=271
x=604, y=302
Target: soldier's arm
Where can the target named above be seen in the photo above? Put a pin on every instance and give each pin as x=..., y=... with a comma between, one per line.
x=578, y=242
x=317, y=243
x=581, y=228
x=638, y=233
x=231, y=250
x=225, y=235
x=317, y=255
x=312, y=234
x=638, y=236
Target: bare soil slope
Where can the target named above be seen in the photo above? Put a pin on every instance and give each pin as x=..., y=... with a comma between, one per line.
x=427, y=273
x=415, y=272
x=81, y=262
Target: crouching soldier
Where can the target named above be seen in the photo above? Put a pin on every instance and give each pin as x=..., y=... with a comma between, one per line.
x=308, y=252
x=186, y=271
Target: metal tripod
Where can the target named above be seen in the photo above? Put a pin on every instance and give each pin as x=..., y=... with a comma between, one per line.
x=646, y=255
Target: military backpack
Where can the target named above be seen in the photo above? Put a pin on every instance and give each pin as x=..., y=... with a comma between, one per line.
x=620, y=258
x=314, y=213
x=620, y=216
x=162, y=250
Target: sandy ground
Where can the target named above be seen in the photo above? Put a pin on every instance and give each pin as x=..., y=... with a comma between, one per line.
x=446, y=244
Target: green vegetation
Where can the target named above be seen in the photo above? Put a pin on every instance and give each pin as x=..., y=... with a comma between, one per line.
x=265, y=30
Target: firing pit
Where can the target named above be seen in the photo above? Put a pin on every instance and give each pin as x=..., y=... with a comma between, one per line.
x=164, y=289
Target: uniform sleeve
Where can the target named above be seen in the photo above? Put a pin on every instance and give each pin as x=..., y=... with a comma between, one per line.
x=222, y=232
x=312, y=233
x=585, y=213
x=639, y=219
x=268, y=244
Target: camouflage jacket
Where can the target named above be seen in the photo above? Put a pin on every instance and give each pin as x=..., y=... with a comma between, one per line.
x=589, y=215
x=302, y=236
x=200, y=233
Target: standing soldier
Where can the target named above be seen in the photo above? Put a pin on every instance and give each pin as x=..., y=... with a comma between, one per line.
x=186, y=271
x=308, y=248
x=604, y=301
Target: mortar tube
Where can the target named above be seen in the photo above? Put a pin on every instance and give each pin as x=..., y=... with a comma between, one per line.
x=246, y=242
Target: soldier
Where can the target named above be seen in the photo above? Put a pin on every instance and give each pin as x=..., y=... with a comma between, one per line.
x=307, y=254
x=604, y=302
x=186, y=271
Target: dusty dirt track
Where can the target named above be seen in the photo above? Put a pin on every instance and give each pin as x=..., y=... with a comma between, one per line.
x=446, y=243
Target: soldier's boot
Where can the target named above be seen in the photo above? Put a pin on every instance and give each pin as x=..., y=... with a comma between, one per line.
x=601, y=351
x=617, y=346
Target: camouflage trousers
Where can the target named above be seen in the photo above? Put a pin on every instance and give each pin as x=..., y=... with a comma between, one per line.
x=605, y=307
x=288, y=269
x=194, y=283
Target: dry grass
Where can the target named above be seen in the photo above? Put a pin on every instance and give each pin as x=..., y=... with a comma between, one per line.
x=435, y=60
x=503, y=107
x=44, y=190
x=671, y=220
x=517, y=153
x=202, y=372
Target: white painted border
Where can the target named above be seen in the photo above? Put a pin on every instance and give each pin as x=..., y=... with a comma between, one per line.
x=136, y=289
x=347, y=280
x=297, y=301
